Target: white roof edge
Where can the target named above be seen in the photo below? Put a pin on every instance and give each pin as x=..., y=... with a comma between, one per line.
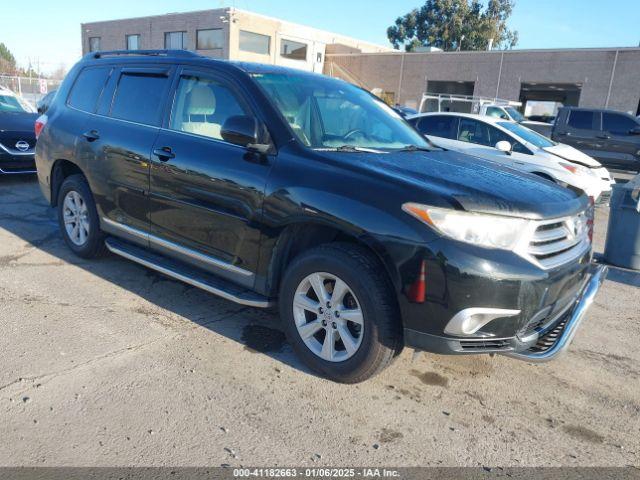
x=471, y=52
x=347, y=37
x=248, y=12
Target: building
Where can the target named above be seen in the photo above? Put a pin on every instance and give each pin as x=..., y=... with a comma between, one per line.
x=226, y=33
x=598, y=78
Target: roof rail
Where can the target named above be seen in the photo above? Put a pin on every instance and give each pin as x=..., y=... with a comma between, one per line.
x=150, y=53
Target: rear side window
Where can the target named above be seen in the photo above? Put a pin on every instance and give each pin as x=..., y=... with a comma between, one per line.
x=88, y=87
x=139, y=98
x=617, y=124
x=439, y=126
x=581, y=119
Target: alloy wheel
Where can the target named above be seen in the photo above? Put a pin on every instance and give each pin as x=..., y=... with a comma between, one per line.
x=76, y=218
x=328, y=317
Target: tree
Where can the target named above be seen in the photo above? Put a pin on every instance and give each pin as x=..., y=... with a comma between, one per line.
x=455, y=25
x=7, y=60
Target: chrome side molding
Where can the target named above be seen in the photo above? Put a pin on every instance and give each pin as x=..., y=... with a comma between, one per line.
x=162, y=243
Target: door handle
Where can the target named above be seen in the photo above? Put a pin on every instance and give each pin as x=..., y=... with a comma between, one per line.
x=604, y=136
x=164, y=153
x=564, y=134
x=91, y=135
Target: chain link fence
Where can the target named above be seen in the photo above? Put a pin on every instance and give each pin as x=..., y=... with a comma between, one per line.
x=31, y=89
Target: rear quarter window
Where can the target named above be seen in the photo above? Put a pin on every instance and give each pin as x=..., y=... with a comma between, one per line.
x=88, y=87
x=140, y=98
x=581, y=119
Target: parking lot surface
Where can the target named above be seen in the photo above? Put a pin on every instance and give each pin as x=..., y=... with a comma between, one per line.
x=106, y=363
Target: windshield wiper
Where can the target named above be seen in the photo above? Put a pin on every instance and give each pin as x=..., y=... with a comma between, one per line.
x=414, y=148
x=349, y=149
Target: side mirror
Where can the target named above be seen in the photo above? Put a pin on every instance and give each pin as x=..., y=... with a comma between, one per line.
x=635, y=130
x=504, y=146
x=244, y=131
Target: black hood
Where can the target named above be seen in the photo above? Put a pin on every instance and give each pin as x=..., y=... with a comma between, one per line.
x=469, y=183
x=17, y=121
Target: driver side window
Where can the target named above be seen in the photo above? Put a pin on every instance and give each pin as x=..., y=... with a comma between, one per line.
x=202, y=105
x=496, y=112
x=499, y=136
x=473, y=131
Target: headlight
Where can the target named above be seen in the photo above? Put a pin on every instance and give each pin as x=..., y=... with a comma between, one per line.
x=490, y=231
x=577, y=169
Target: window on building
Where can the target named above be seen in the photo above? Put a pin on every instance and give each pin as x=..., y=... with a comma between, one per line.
x=293, y=50
x=202, y=106
x=582, y=119
x=209, y=39
x=617, y=124
x=133, y=42
x=255, y=42
x=94, y=44
x=175, y=40
x=139, y=98
x=88, y=87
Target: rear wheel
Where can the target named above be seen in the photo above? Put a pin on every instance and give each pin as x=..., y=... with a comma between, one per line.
x=78, y=218
x=339, y=312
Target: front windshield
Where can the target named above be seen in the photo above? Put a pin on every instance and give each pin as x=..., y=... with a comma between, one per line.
x=527, y=135
x=515, y=114
x=327, y=114
x=9, y=103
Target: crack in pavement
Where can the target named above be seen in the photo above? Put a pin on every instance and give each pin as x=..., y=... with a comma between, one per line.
x=52, y=375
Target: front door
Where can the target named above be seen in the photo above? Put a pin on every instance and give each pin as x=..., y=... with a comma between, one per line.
x=620, y=146
x=206, y=193
x=581, y=131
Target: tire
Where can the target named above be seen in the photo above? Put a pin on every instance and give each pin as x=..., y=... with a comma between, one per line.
x=377, y=339
x=76, y=189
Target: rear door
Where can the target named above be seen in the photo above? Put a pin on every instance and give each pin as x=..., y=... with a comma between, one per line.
x=207, y=193
x=620, y=147
x=121, y=137
x=581, y=130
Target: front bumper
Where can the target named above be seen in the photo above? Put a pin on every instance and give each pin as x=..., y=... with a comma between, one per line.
x=16, y=163
x=556, y=339
x=547, y=340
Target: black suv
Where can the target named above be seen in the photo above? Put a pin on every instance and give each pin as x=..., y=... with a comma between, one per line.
x=262, y=184
x=17, y=138
x=612, y=138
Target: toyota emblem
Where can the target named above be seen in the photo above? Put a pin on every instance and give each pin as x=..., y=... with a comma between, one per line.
x=22, y=146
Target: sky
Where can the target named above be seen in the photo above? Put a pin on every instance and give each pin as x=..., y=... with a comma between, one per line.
x=49, y=32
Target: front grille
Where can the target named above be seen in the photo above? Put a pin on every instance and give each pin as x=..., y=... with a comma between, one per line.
x=9, y=140
x=484, y=344
x=549, y=339
x=556, y=242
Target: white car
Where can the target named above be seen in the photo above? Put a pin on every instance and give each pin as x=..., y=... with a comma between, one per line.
x=511, y=144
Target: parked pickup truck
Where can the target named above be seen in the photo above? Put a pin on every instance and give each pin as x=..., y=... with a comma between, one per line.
x=263, y=184
x=612, y=138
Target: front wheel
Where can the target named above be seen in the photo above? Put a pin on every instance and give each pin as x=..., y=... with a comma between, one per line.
x=340, y=313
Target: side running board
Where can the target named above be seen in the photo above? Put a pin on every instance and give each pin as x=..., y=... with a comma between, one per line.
x=187, y=274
